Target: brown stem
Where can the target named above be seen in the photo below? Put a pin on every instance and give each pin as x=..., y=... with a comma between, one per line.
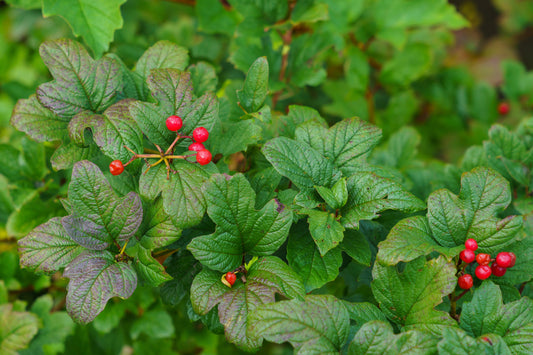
x=170, y=149
x=522, y=286
x=453, y=306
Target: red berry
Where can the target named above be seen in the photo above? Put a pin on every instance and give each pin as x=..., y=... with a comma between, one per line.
x=483, y=272
x=498, y=270
x=200, y=134
x=471, y=244
x=513, y=259
x=231, y=277
x=465, y=281
x=504, y=259
x=174, y=123
x=196, y=147
x=483, y=259
x=203, y=157
x=503, y=108
x=467, y=256
x=116, y=167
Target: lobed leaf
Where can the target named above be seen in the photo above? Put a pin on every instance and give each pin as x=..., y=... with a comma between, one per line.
x=240, y=228
x=48, y=248
x=319, y=324
x=95, y=277
x=16, y=329
x=99, y=216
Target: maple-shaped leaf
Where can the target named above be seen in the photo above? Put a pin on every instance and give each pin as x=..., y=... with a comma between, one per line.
x=473, y=213
x=183, y=197
x=240, y=227
x=98, y=216
x=173, y=91
x=266, y=277
x=48, y=248
x=95, y=277
x=319, y=324
x=487, y=314
x=409, y=298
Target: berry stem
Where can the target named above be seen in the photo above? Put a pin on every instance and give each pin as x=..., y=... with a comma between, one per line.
x=522, y=286
x=171, y=148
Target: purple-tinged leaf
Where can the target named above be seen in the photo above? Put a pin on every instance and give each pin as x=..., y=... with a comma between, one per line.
x=95, y=277
x=48, y=247
x=265, y=278
x=99, y=216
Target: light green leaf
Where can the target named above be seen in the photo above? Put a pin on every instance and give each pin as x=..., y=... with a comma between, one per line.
x=369, y=195
x=267, y=276
x=155, y=324
x=326, y=231
x=409, y=298
x=48, y=248
x=473, y=213
x=149, y=269
x=413, y=62
x=255, y=88
x=157, y=228
x=16, y=329
x=316, y=325
x=303, y=165
x=95, y=277
x=240, y=228
x=204, y=78
x=94, y=20
x=163, y=54
x=409, y=239
x=337, y=196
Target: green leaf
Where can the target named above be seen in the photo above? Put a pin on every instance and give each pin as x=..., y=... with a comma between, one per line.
x=149, y=269
x=316, y=325
x=456, y=342
x=25, y=4
x=235, y=137
x=286, y=125
x=347, y=143
x=99, y=217
x=204, y=78
x=369, y=195
x=357, y=69
x=94, y=20
x=183, y=198
x=400, y=149
x=409, y=239
x=156, y=323
x=326, y=231
x=68, y=153
x=337, y=196
x=173, y=91
x=157, y=228
x=240, y=228
x=80, y=83
x=163, y=54
x=409, y=298
x=255, y=88
x=215, y=18
x=112, y=131
x=303, y=165
x=57, y=326
x=40, y=123
x=48, y=248
x=407, y=66
x=95, y=277
x=304, y=257
x=486, y=314
x=356, y=246
x=236, y=306
x=517, y=81
x=16, y=329
x=377, y=337
x=524, y=262
x=364, y=312
x=473, y=213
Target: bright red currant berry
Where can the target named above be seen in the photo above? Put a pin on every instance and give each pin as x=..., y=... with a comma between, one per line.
x=174, y=123
x=504, y=259
x=467, y=256
x=471, y=244
x=465, y=281
x=503, y=108
x=203, y=157
x=483, y=259
x=483, y=272
x=200, y=134
x=231, y=277
x=498, y=270
x=196, y=147
x=116, y=167
x=513, y=259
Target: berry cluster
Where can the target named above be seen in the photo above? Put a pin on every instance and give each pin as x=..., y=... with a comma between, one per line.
x=174, y=124
x=503, y=261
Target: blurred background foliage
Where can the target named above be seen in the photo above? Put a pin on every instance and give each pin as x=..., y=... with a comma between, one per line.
x=431, y=78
